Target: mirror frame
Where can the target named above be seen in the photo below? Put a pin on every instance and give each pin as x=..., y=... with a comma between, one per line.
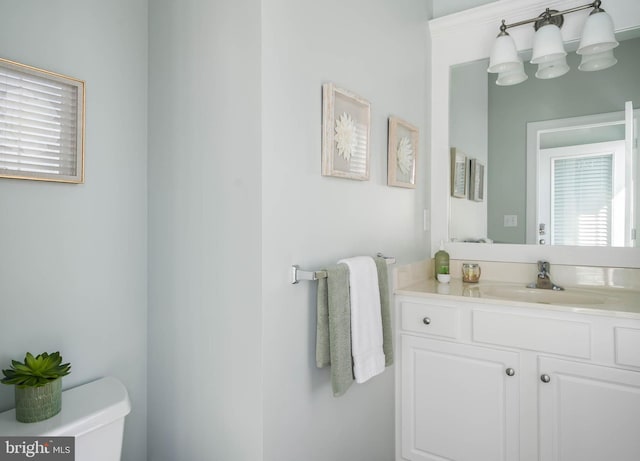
x=468, y=36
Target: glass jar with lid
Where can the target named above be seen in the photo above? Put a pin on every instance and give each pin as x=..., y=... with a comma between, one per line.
x=471, y=272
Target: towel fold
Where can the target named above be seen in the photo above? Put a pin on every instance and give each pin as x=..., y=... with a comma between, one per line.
x=366, y=318
x=333, y=336
x=385, y=310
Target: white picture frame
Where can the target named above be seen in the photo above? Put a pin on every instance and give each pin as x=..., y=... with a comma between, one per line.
x=476, y=181
x=458, y=173
x=50, y=146
x=346, y=127
x=402, y=153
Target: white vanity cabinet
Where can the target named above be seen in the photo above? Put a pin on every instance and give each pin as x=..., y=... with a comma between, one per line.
x=588, y=412
x=467, y=387
x=479, y=381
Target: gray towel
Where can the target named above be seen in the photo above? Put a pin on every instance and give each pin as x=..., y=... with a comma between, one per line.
x=385, y=310
x=333, y=336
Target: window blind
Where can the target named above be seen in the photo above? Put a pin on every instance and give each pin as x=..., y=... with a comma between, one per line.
x=582, y=196
x=41, y=124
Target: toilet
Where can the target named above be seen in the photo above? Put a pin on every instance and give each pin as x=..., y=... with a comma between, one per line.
x=93, y=413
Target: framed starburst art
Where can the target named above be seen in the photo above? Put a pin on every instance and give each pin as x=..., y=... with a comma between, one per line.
x=346, y=125
x=459, y=173
x=402, y=153
x=476, y=181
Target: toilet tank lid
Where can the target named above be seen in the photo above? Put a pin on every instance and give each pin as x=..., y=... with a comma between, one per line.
x=84, y=409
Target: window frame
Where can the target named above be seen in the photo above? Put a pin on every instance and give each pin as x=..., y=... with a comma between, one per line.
x=79, y=157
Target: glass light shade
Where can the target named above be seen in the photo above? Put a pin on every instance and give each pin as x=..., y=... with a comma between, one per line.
x=504, y=56
x=597, y=34
x=512, y=77
x=552, y=69
x=547, y=44
x=597, y=61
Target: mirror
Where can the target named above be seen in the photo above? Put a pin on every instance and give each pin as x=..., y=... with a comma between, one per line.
x=488, y=123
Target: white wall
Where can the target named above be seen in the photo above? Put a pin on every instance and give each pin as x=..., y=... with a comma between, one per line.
x=379, y=50
x=205, y=335
x=73, y=265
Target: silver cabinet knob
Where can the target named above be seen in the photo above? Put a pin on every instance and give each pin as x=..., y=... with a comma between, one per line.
x=510, y=371
x=545, y=378
x=426, y=320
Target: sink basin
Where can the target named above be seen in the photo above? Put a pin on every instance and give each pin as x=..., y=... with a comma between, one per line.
x=571, y=296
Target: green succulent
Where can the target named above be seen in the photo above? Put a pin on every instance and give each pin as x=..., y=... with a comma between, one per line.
x=36, y=371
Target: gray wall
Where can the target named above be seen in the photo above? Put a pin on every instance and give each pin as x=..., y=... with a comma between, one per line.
x=510, y=108
x=379, y=50
x=445, y=7
x=74, y=268
x=236, y=198
x=205, y=310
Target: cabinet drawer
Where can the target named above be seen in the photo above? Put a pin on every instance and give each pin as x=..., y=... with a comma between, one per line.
x=534, y=333
x=431, y=319
x=627, y=346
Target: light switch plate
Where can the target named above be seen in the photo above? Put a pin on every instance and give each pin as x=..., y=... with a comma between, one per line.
x=510, y=220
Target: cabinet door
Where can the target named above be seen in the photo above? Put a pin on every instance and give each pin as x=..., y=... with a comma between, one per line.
x=458, y=403
x=588, y=412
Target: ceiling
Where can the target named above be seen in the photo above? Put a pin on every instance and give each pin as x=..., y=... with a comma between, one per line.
x=445, y=7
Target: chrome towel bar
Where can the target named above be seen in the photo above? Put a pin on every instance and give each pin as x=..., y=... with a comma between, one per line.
x=298, y=274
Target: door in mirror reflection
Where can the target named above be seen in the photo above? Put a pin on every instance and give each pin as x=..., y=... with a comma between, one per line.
x=581, y=195
x=585, y=174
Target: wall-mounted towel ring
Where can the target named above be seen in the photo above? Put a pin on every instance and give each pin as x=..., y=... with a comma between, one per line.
x=298, y=274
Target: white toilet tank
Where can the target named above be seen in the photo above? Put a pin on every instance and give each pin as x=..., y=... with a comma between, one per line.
x=92, y=413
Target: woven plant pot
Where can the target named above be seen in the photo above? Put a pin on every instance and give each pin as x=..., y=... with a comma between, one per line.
x=35, y=404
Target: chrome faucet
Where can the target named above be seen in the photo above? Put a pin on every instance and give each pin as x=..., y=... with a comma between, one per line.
x=543, y=281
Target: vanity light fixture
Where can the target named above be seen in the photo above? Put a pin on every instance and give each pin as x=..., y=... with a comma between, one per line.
x=512, y=77
x=596, y=46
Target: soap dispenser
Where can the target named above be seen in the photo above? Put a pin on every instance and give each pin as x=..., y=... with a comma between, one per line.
x=441, y=261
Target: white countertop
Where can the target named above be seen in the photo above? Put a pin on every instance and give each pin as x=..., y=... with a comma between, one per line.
x=597, y=301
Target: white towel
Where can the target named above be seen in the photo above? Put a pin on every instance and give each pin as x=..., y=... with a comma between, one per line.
x=366, y=320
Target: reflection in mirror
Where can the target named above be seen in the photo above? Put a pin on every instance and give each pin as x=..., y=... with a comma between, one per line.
x=580, y=180
x=489, y=123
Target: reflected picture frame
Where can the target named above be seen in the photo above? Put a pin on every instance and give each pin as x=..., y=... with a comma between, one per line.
x=346, y=133
x=458, y=173
x=402, y=153
x=476, y=180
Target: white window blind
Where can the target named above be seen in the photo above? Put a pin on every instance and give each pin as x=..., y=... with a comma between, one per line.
x=41, y=124
x=582, y=196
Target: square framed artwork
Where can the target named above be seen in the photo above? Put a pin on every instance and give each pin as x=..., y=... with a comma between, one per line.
x=346, y=126
x=458, y=173
x=402, y=153
x=476, y=181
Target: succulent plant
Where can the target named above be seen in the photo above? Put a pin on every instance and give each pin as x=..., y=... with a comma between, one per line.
x=36, y=371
